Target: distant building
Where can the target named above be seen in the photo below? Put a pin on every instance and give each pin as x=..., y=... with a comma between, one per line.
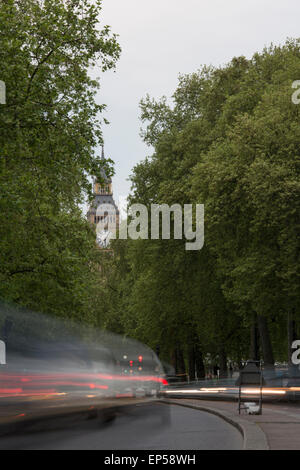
x=103, y=212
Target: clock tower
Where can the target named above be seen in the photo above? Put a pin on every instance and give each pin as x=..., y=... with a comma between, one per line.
x=103, y=212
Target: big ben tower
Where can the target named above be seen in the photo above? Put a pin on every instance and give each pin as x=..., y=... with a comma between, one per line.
x=103, y=212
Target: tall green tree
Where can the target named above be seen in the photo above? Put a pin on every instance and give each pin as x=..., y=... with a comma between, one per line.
x=229, y=141
x=49, y=130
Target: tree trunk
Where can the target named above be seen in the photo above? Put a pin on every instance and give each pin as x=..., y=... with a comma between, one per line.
x=223, y=363
x=192, y=362
x=174, y=360
x=200, y=369
x=180, y=363
x=292, y=335
x=254, y=343
x=265, y=341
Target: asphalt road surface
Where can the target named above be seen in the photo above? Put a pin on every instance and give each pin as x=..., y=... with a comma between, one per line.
x=143, y=427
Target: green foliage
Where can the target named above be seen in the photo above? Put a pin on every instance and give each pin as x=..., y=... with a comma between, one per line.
x=49, y=129
x=231, y=140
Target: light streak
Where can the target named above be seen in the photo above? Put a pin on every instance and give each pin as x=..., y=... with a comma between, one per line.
x=252, y=391
x=217, y=390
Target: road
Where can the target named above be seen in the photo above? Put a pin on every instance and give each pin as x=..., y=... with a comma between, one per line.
x=143, y=427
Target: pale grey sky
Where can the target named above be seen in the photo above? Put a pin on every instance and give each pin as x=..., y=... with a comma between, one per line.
x=162, y=38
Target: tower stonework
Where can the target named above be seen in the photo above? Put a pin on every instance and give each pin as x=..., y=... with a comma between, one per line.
x=103, y=212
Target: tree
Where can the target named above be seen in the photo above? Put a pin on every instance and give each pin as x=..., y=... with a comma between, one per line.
x=49, y=130
x=230, y=141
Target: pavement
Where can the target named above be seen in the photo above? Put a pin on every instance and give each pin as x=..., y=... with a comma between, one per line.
x=277, y=428
x=139, y=427
x=215, y=425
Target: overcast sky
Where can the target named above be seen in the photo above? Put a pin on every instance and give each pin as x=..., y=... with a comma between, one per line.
x=162, y=38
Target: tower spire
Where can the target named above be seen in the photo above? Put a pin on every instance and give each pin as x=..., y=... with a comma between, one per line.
x=102, y=153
